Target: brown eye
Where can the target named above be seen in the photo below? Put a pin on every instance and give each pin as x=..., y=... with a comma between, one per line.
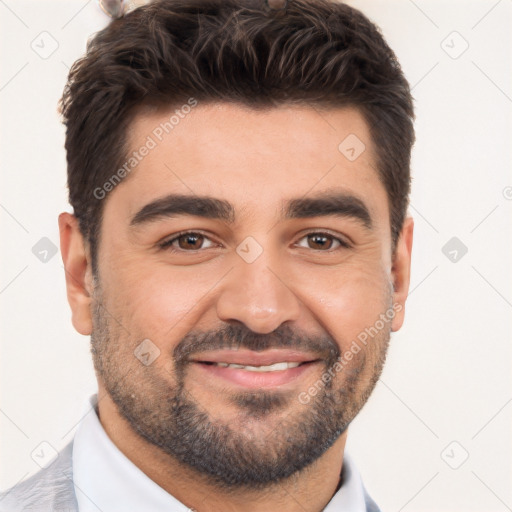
x=322, y=242
x=190, y=241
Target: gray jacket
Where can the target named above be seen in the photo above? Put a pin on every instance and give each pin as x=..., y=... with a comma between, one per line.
x=52, y=490
x=49, y=490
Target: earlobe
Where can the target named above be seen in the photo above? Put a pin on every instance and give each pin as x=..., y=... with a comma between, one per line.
x=401, y=272
x=78, y=272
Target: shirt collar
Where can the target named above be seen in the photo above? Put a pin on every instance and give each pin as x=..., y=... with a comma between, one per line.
x=106, y=480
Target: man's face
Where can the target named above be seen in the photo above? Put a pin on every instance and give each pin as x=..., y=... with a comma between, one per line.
x=267, y=276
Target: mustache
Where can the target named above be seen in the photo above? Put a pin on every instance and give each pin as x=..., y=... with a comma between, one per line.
x=237, y=336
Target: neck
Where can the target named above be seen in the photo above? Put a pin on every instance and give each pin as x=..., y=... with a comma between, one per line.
x=310, y=489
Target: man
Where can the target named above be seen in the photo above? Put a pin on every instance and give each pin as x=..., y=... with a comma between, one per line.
x=239, y=254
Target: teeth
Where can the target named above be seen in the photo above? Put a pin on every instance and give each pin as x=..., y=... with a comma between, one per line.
x=271, y=368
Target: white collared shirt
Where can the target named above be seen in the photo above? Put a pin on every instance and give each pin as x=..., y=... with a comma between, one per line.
x=106, y=480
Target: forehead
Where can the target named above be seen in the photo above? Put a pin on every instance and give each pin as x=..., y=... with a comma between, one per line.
x=251, y=158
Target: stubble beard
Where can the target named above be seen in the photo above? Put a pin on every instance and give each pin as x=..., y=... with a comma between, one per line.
x=264, y=445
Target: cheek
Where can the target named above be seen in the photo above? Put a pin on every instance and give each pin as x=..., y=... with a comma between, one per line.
x=159, y=305
x=349, y=301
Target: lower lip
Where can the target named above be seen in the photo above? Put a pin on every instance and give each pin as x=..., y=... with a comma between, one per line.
x=255, y=380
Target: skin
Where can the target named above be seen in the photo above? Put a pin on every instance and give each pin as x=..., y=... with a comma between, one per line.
x=233, y=153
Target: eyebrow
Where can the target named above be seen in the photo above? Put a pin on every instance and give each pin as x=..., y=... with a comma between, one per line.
x=174, y=205
x=329, y=204
x=338, y=204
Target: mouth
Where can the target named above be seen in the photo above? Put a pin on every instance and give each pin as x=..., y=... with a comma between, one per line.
x=253, y=370
x=276, y=367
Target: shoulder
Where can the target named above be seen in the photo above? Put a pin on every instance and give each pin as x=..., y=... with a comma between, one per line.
x=50, y=489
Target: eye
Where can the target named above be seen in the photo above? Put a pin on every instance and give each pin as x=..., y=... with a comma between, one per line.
x=323, y=242
x=187, y=241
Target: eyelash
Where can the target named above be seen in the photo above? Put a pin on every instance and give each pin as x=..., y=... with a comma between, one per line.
x=167, y=244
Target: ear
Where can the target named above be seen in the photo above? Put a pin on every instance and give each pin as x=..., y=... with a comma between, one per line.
x=401, y=272
x=78, y=270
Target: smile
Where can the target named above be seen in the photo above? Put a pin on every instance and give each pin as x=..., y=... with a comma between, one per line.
x=268, y=368
x=274, y=368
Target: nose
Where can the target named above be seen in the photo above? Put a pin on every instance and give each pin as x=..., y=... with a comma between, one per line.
x=258, y=295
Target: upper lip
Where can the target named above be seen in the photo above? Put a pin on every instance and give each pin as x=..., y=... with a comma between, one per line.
x=251, y=358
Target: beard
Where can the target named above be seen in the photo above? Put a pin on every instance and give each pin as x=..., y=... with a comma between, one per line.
x=274, y=435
